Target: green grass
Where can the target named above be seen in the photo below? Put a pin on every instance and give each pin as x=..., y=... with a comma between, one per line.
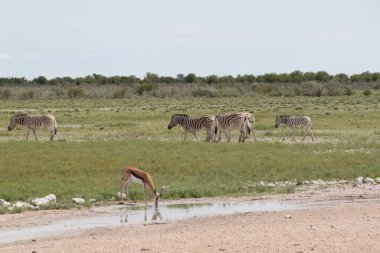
x=97, y=138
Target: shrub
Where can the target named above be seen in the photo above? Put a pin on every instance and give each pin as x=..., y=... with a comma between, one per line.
x=40, y=80
x=333, y=90
x=120, y=93
x=367, y=92
x=146, y=87
x=5, y=94
x=27, y=95
x=59, y=92
x=76, y=92
x=262, y=88
x=275, y=93
x=348, y=91
x=204, y=92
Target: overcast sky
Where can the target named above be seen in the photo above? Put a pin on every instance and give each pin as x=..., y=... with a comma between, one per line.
x=168, y=37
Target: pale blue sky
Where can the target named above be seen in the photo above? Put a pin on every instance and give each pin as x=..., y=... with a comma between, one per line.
x=167, y=37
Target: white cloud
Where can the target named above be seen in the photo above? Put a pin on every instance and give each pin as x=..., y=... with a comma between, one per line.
x=5, y=56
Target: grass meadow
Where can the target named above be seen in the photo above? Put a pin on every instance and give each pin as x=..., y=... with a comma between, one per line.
x=97, y=138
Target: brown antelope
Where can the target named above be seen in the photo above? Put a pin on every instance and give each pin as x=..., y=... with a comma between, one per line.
x=131, y=174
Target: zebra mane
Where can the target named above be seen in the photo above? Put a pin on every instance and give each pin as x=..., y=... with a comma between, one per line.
x=20, y=115
x=284, y=116
x=181, y=115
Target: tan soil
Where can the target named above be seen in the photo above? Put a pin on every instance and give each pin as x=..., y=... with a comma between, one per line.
x=335, y=219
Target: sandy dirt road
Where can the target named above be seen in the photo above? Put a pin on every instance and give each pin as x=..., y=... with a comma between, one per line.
x=334, y=219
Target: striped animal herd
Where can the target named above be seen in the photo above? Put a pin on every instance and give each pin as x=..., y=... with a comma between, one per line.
x=223, y=123
x=241, y=121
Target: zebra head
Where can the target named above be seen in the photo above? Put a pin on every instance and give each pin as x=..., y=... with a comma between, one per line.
x=249, y=116
x=176, y=119
x=15, y=119
x=280, y=119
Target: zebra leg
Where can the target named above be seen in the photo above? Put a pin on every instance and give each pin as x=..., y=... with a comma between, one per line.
x=304, y=132
x=254, y=134
x=242, y=136
x=225, y=133
x=34, y=132
x=196, y=136
x=27, y=133
x=228, y=134
x=52, y=130
x=211, y=136
x=208, y=137
x=294, y=134
x=311, y=133
x=243, y=133
x=220, y=136
x=214, y=131
x=184, y=139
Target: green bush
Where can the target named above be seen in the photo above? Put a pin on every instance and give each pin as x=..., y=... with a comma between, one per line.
x=146, y=87
x=367, y=92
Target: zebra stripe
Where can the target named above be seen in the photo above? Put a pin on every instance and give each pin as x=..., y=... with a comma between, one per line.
x=242, y=121
x=293, y=122
x=195, y=125
x=34, y=122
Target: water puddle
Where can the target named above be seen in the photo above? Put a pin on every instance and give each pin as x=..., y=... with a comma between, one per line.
x=121, y=215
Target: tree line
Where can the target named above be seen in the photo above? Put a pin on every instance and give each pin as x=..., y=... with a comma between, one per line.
x=296, y=83
x=293, y=77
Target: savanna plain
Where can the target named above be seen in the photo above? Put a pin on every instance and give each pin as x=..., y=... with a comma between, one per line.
x=98, y=137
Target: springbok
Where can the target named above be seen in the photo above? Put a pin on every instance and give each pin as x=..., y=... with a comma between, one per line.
x=131, y=174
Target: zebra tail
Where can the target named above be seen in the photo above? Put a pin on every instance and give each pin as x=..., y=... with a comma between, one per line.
x=216, y=130
x=247, y=127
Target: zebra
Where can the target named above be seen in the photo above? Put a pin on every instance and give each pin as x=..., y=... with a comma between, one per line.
x=243, y=121
x=194, y=125
x=249, y=126
x=293, y=122
x=34, y=122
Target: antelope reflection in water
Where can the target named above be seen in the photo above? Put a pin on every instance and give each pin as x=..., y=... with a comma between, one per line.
x=156, y=215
